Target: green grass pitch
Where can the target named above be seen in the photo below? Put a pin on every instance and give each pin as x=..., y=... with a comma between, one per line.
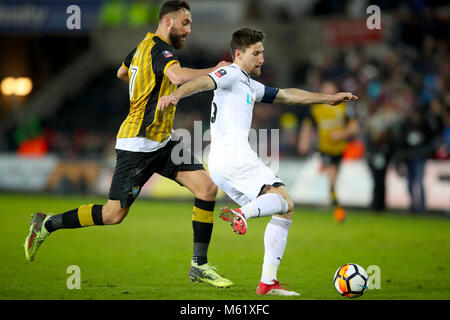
x=148, y=255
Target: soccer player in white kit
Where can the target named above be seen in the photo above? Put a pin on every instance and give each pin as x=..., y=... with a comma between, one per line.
x=233, y=165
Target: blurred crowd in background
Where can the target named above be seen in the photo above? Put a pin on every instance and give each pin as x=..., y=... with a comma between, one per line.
x=403, y=107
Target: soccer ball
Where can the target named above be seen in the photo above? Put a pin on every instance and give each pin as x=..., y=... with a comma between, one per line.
x=350, y=280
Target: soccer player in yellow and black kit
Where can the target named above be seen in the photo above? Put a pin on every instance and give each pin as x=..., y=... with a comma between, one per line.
x=335, y=127
x=144, y=145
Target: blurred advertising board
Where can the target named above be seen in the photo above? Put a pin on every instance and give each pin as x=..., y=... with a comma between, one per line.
x=337, y=33
x=305, y=182
x=25, y=173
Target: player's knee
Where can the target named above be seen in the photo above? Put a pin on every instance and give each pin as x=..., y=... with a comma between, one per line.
x=287, y=216
x=286, y=206
x=332, y=174
x=290, y=205
x=290, y=208
x=116, y=219
x=208, y=192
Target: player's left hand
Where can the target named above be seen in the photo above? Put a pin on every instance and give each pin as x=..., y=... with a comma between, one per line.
x=167, y=101
x=342, y=97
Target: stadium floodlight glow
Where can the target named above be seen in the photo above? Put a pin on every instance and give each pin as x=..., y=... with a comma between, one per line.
x=20, y=86
x=24, y=85
x=7, y=86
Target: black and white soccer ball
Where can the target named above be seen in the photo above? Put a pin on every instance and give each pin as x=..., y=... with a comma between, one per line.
x=350, y=280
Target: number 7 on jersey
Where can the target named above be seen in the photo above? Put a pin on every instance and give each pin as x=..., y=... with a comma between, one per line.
x=134, y=71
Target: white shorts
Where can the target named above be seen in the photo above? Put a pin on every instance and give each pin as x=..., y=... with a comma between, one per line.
x=241, y=177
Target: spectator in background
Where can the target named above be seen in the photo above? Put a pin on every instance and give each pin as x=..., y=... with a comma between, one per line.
x=415, y=147
x=381, y=130
x=446, y=135
x=30, y=139
x=436, y=121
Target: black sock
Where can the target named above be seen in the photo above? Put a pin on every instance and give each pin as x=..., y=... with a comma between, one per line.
x=333, y=196
x=83, y=216
x=202, y=224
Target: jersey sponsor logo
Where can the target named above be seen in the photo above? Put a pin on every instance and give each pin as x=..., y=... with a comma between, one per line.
x=220, y=73
x=250, y=100
x=167, y=54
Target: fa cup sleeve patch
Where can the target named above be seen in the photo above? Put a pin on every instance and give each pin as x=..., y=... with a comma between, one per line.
x=220, y=73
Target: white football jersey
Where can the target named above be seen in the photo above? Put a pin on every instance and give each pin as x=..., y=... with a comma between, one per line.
x=232, y=106
x=233, y=165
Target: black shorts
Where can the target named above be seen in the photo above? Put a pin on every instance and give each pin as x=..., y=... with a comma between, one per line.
x=328, y=159
x=134, y=169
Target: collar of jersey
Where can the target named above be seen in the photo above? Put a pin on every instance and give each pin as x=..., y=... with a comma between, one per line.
x=236, y=66
x=151, y=35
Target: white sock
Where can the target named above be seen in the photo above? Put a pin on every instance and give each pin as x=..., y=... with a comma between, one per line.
x=265, y=205
x=275, y=238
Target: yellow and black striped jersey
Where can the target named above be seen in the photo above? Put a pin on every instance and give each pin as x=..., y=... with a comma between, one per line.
x=147, y=129
x=327, y=119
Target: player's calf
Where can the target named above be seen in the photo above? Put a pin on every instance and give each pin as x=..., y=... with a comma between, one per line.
x=112, y=213
x=268, y=204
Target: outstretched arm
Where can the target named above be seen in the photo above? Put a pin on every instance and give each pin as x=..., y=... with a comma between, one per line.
x=298, y=96
x=205, y=83
x=179, y=75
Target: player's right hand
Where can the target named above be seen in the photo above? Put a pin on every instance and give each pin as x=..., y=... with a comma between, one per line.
x=167, y=101
x=342, y=97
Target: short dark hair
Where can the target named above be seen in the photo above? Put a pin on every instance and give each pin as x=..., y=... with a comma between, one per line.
x=172, y=6
x=244, y=37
